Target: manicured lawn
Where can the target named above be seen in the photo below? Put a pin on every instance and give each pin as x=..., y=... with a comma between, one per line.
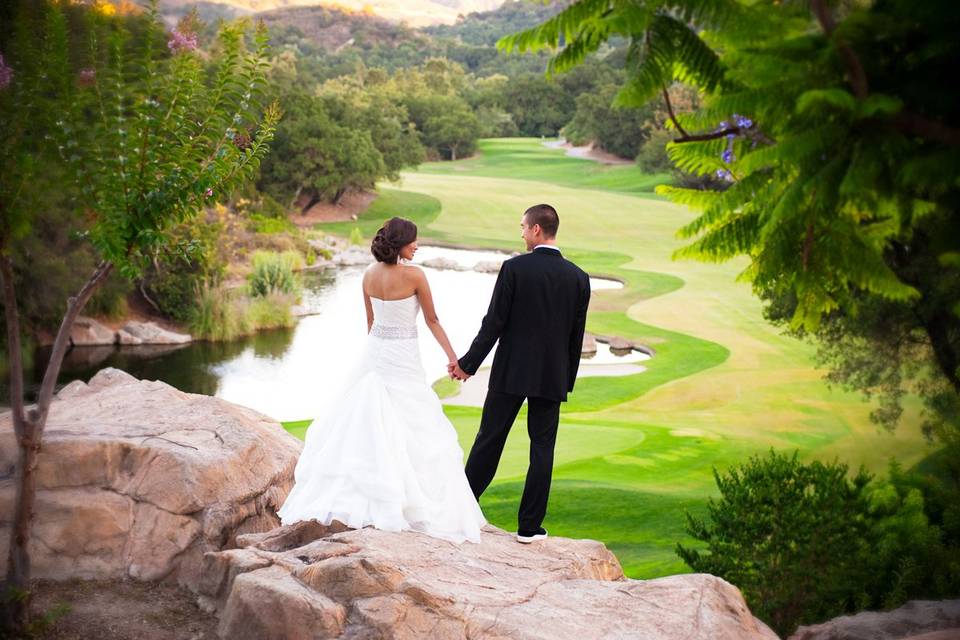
x=635, y=452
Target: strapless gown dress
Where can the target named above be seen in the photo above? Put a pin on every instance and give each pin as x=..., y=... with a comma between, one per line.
x=386, y=455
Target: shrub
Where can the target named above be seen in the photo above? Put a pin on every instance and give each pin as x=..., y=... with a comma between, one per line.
x=260, y=223
x=193, y=260
x=356, y=237
x=652, y=157
x=804, y=542
x=273, y=273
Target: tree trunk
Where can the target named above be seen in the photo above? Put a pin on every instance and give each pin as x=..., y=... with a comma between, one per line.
x=15, y=610
x=29, y=433
x=453, y=153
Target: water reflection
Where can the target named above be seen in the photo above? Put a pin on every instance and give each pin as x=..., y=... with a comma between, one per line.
x=293, y=373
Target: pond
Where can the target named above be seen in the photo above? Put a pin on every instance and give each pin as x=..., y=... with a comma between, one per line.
x=292, y=374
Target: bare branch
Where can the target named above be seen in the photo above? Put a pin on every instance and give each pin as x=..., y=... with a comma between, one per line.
x=74, y=305
x=673, y=118
x=857, y=76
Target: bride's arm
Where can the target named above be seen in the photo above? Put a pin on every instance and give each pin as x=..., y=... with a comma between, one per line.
x=368, y=306
x=430, y=314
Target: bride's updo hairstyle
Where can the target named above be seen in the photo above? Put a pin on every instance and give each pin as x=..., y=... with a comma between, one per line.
x=391, y=237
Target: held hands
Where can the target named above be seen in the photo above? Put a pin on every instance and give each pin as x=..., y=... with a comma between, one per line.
x=455, y=372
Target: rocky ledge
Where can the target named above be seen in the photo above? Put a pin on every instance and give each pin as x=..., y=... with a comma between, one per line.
x=311, y=581
x=138, y=480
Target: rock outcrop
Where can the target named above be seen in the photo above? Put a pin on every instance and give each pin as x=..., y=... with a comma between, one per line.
x=137, y=479
x=916, y=620
x=133, y=332
x=87, y=332
x=310, y=581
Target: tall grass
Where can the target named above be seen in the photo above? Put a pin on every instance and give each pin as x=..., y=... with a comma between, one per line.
x=273, y=273
x=221, y=314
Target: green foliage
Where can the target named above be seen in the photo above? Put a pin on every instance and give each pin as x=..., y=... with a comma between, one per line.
x=263, y=224
x=193, y=256
x=221, y=314
x=271, y=311
x=356, y=237
x=653, y=157
x=836, y=156
x=218, y=315
x=621, y=131
x=318, y=156
x=804, y=542
x=273, y=273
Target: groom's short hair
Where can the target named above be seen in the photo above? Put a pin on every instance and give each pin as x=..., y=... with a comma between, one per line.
x=545, y=216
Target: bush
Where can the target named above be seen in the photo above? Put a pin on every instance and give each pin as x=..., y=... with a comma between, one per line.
x=805, y=543
x=273, y=273
x=356, y=237
x=653, y=157
x=263, y=224
x=193, y=260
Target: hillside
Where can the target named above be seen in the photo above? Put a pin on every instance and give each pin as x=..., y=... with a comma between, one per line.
x=413, y=12
x=484, y=28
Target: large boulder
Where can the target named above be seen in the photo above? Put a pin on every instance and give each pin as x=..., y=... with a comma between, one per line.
x=87, y=332
x=307, y=580
x=916, y=620
x=137, y=479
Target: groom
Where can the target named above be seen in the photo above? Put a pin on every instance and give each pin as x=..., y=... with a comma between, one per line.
x=537, y=311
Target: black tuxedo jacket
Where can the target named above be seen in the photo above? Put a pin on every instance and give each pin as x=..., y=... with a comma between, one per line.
x=538, y=311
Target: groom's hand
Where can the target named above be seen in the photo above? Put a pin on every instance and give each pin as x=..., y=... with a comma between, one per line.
x=456, y=372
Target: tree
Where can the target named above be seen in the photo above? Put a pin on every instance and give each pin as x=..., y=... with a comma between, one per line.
x=538, y=106
x=317, y=156
x=148, y=134
x=618, y=130
x=838, y=142
x=446, y=122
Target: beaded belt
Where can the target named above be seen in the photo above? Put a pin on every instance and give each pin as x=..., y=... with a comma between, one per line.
x=393, y=333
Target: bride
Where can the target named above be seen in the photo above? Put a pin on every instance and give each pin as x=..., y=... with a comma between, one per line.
x=386, y=456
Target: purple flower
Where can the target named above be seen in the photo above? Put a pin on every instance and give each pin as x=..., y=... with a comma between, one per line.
x=723, y=174
x=730, y=136
x=180, y=41
x=6, y=74
x=209, y=192
x=87, y=77
x=727, y=156
x=742, y=121
x=723, y=125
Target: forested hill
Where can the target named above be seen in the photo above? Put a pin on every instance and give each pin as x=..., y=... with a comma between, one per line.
x=412, y=12
x=484, y=28
x=334, y=39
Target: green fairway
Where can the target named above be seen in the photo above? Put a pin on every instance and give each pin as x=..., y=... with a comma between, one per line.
x=635, y=452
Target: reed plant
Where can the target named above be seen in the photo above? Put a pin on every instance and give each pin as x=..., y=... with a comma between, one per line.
x=273, y=273
x=219, y=315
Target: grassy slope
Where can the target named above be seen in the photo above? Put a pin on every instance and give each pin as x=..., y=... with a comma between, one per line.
x=635, y=452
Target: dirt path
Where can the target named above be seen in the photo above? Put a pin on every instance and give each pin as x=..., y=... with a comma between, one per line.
x=122, y=610
x=588, y=152
x=351, y=205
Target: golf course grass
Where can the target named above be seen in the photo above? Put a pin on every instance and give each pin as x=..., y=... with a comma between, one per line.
x=635, y=452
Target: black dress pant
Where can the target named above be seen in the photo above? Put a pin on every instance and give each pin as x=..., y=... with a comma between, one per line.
x=499, y=412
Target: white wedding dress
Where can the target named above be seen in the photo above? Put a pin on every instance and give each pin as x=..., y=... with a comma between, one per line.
x=386, y=455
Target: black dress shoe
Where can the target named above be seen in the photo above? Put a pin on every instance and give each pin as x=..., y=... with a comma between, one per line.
x=526, y=536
